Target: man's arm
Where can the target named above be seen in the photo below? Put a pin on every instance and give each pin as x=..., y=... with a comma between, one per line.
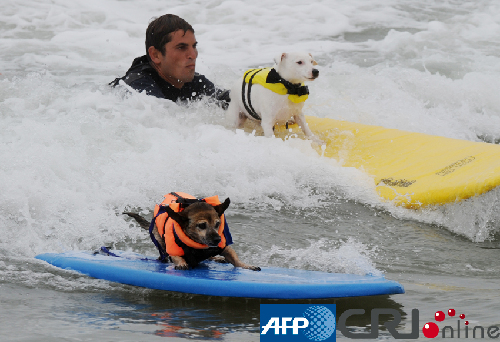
x=202, y=86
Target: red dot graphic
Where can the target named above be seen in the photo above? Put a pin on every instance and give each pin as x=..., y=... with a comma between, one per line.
x=466, y=322
x=462, y=316
x=451, y=312
x=430, y=330
x=439, y=316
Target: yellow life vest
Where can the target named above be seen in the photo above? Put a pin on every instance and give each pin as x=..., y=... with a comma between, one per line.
x=270, y=79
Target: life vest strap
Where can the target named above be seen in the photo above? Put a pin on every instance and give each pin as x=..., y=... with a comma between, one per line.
x=163, y=254
x=247, y=98
x=292, y=88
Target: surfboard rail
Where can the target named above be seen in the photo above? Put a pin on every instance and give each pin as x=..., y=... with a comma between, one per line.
x=216, y=279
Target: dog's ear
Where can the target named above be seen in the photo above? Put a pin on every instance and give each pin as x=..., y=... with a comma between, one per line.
x=279, y=58
x=177, y=217
x=313, y=61
x=222, y=207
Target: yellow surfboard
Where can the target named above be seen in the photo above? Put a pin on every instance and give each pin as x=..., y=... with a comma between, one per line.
x=411, y=169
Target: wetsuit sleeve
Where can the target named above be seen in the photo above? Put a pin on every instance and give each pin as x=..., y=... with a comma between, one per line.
x=148, y=85
x=204, y=86
x=141, y=83
x=141, y=76
x=223, y=97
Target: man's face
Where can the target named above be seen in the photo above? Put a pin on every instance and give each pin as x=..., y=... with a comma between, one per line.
x=177, y=66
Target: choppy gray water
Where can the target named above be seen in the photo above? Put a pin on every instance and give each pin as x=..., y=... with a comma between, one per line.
x=75, y=154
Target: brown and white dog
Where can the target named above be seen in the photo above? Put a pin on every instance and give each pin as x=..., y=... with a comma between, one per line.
x=200, y=222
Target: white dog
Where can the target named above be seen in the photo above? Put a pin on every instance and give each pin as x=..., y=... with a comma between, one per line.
x=274, y=95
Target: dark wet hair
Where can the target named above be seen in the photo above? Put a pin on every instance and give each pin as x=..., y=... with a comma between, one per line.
x=159, y=31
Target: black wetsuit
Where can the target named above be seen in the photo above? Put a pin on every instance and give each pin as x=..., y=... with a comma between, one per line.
x=143, y=77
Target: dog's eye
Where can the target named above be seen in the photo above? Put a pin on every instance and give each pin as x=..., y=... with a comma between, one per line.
x=217, y=225
x=202, y=225
x=299, y=62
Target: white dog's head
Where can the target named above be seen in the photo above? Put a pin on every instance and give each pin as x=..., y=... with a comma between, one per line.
x=297, y=67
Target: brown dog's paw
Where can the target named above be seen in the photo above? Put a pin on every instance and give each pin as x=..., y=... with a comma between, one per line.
x=182, y=267
x=179, y=262
x=219, y=259
x=253, y=268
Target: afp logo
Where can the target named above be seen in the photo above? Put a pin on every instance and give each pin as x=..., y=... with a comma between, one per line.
x=297, y=322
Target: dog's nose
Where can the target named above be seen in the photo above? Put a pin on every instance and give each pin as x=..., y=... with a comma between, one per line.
x=215, y=241
x=315, y=72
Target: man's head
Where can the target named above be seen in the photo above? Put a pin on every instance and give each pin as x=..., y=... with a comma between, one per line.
x=171, y=49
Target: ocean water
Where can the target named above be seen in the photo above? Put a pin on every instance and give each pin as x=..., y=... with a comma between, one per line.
x=76, y=153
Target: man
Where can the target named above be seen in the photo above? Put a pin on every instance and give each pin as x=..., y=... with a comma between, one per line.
x=168, y=68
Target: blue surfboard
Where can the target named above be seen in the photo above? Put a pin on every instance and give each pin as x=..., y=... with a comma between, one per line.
x=215, y=279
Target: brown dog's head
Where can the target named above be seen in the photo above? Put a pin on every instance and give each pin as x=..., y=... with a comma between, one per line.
x=200, y=221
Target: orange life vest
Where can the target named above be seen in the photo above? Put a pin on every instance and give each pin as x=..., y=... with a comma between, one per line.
x=177, y=243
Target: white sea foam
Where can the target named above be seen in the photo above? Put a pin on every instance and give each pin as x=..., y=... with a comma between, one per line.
x=349, y=256
x=76, y=153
